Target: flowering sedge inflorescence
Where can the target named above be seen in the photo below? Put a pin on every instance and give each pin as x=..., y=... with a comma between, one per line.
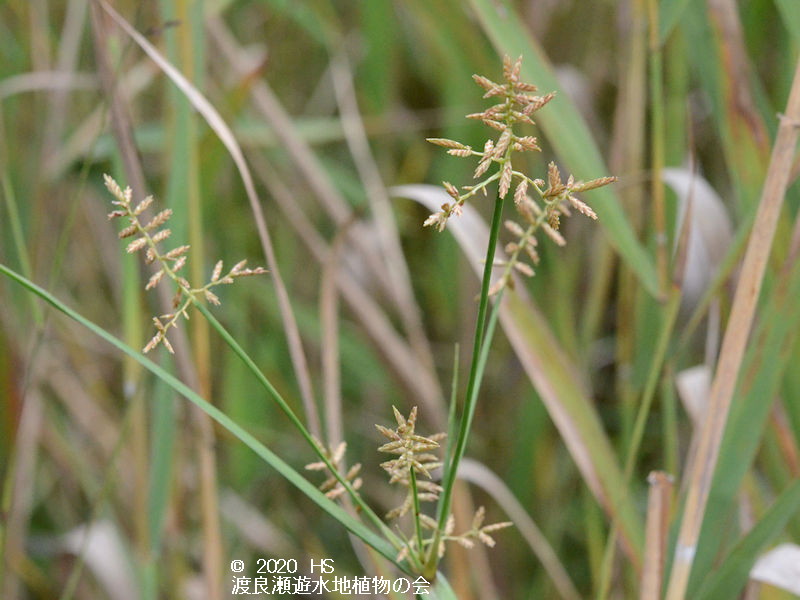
x=332, y=487
x=148, y=237
x=414, y=458
x=517, y=102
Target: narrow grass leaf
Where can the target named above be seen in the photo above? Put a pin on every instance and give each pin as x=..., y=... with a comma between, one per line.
x=670, y=14
x=790, y=14
x=164, y=428
x=355, y=527
x=766, y=362
x=730, y=578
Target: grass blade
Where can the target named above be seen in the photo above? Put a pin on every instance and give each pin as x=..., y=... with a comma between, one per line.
x=728, y=581
x=734, y=342
x=355, y=527
x=765, y=365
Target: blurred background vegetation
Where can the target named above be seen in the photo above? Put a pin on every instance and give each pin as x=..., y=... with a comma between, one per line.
x=331, y=103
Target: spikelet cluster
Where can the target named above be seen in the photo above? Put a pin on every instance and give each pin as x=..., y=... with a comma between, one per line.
x=516, y=103
x=332, y=487
x=414, y=454
x=148, y=237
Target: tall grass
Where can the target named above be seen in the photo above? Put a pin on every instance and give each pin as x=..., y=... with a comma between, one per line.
x=288, y=133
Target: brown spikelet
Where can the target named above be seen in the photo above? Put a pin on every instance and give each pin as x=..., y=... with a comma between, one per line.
x=248, y=272
x=161, y=235
x=142, y=206
x=529, y=143
x=514, y=79
x=531, y=252
x=553, y=175
x=217, y=271
x=526, y=87
x=179, y=264
x=112, y=186
x=154, y=341
x=582, y=207
x=505, y=179
x=520, y=192
x=159, y=219
x=484, y=82
x=523, y=268
x=497, y=90
x=445, y=143
x=483, y=166
x=154, y=279
x=128, y=232
x=136, y=245
x=514, y=228
x=498, y=285
x=538, y=102
x=176, y=252
x=554, y=235
x=594, y=183
x=507, y=67
x=502, y=143
x=237, y=268
x=498, y=125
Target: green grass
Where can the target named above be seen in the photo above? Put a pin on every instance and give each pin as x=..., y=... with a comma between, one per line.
x=578, y=401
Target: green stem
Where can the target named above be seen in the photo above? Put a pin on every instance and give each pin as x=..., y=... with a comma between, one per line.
x=472, y=392
x=417, y=524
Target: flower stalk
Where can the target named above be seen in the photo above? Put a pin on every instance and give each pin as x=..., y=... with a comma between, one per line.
x=516, y=104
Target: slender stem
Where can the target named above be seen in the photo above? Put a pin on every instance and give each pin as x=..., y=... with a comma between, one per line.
x=451, y=416
x=417, y=524
x=472, y=389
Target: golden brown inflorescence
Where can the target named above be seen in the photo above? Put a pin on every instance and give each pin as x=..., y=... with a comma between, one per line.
x=517, y=103
x=148, y=237
x=332, y=487
x=414, y=457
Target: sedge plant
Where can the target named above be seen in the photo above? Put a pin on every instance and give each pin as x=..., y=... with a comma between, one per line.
x=416, y=458
x=539, y=205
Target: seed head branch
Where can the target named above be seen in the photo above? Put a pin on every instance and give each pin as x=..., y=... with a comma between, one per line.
x=148, y=237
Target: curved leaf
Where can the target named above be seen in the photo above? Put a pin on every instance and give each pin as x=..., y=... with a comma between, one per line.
x=354, y=526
